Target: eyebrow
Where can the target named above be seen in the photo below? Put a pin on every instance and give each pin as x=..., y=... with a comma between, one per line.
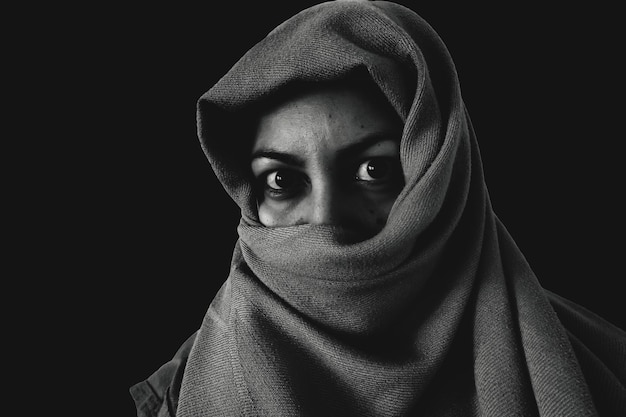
x=284, y=157
x=356, y=148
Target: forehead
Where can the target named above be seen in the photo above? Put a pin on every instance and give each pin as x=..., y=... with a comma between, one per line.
x=324, y=118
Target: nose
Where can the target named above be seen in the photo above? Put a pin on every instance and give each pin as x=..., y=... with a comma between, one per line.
x=328, y=205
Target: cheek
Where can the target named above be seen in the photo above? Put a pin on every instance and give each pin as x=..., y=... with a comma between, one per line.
x=272, y=215
x=378, y=211
x=377, y=217
x=267, y=216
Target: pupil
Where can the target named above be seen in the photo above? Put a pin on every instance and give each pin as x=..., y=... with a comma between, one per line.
x=377, y=170
x=283, y=180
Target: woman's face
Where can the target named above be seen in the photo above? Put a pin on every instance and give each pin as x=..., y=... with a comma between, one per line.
x=328, y=157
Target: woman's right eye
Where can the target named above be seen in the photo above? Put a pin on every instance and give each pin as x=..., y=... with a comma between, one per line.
x=283, y=181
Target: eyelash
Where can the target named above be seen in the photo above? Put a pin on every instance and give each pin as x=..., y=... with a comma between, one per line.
x=301, y=180
x=389, y=172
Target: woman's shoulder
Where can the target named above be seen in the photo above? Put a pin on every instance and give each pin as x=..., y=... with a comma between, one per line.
x=158, y=394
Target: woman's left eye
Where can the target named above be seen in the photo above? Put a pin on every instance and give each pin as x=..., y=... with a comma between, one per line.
x=375, y=169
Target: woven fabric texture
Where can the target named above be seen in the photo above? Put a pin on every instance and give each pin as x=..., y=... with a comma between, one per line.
x=439, y=314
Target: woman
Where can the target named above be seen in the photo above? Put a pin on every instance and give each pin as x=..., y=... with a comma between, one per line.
x=371, y=276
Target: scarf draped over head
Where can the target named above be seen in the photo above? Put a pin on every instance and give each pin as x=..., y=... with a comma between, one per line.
x=438, y=314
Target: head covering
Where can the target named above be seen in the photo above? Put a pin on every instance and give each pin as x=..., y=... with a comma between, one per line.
x=438, y=314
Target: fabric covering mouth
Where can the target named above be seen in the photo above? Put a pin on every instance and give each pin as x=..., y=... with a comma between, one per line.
x=439, y=311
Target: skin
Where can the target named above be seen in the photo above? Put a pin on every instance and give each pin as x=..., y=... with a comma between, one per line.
x=328, y=157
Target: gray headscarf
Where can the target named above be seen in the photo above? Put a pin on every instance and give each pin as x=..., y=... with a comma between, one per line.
x=438, y=314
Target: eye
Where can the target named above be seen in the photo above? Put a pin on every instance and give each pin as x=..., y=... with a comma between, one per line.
x=376, y=170
x=282, y=183
x=281, y=179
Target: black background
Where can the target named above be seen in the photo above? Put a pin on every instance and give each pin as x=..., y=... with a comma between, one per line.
x=136, y=234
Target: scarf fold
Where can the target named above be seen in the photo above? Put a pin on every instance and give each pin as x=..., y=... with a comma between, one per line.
x=438, y=314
